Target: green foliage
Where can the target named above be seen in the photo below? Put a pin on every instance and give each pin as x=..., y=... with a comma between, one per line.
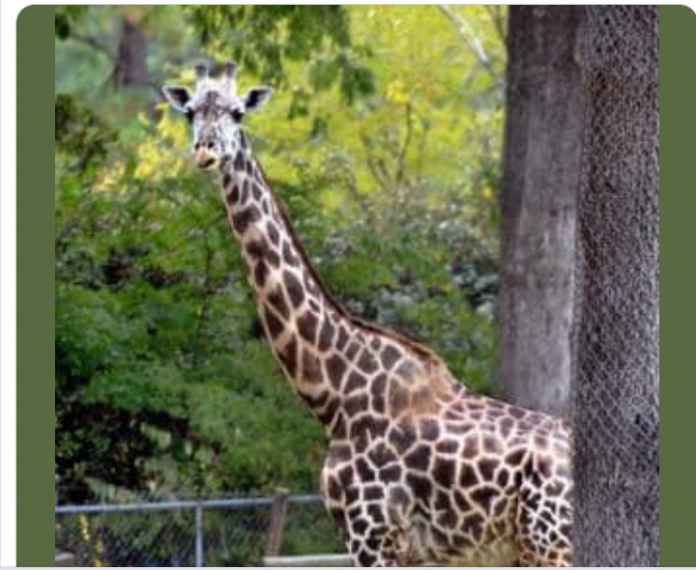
x=264, y=39
x=164, y=383
x=66, y=17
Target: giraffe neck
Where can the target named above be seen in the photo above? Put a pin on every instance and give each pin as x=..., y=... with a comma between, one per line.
x=308, y=332
x=336, y=363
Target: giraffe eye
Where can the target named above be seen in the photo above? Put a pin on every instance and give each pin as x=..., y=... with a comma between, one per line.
x=237, y=115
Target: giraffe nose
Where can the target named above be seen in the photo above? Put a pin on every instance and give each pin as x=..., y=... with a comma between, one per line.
x=204, y=158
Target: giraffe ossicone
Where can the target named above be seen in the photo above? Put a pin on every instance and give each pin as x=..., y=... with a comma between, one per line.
x=419, y=470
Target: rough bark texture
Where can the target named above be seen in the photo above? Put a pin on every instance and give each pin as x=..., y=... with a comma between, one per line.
x=616, y=391
x=542, y=171
x=131, y=60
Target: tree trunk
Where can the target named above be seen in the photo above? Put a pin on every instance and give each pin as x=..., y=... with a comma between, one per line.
x=131, y=60
x=616, y=390
x=538, y=200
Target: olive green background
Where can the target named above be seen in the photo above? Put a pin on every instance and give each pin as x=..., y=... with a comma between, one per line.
x=678, y=285
x=35, y=287
x=36, y=310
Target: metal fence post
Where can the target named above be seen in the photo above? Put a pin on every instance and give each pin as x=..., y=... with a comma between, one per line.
x=200, y=554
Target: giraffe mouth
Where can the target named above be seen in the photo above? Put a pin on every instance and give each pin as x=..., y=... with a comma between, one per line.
x=208, y=164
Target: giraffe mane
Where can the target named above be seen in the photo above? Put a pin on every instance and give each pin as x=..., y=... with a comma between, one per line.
x=420, y=350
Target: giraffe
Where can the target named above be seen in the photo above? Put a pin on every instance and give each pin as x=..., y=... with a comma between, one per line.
x=419, y=470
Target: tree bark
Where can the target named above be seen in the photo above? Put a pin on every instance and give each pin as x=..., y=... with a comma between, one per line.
x=616, y=390
x=131, y=59
x=538, y=202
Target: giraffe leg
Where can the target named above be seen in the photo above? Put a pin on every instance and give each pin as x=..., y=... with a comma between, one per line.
x=378, y=548
x=545, y=513
x=533, y=559
x=544, y=526
x=375, y=539
x=538, y=550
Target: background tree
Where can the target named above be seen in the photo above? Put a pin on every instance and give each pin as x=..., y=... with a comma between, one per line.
x=131, y=68
x=616, y=390
x=538, y=206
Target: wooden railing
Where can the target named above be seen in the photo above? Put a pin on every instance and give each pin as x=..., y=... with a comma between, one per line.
x=275, y=540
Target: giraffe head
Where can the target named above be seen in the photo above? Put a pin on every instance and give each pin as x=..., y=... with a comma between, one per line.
x=216, y=112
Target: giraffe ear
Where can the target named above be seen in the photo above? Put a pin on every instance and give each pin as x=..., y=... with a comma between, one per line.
x=257, y=98
x=177, y=97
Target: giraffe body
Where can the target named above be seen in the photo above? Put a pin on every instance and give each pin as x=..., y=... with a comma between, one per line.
x=419, y=470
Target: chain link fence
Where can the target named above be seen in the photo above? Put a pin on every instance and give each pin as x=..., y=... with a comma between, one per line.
x=616, y=396
x=219, y=532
